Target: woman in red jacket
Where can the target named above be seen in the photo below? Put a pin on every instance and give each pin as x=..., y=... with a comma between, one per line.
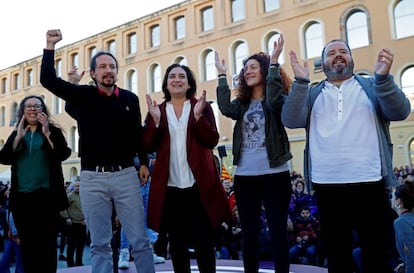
x=187, y=199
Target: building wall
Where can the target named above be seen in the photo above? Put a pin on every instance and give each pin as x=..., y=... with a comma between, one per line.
x=289, y=19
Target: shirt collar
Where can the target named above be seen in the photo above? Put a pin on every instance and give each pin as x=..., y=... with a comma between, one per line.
x=116, y=92
x=352, y=78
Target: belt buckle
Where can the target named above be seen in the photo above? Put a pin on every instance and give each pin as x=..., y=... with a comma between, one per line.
x=106, y=169
x=110, y=169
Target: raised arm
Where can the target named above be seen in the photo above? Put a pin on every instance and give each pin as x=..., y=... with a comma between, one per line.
x=295, y=110
x=277, y=49
x=385, y=58
x=53, y=36
x=220, y=64
x=299, y=70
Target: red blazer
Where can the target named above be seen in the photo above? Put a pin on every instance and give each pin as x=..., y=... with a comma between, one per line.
x=202, y=137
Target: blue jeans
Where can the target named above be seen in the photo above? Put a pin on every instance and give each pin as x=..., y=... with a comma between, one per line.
x=309, y=252
x=357, y=257
x=152, y=235
x=99, y=192
x=11, y=250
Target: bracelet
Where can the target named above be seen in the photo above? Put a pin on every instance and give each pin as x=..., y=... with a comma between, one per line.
x=274, y=64
x=223, y=75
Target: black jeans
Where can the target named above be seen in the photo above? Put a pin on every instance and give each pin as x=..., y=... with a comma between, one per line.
x=360, y=207
x=76, y=244
x=36, y=221
x=188, y=226
x=273, y=191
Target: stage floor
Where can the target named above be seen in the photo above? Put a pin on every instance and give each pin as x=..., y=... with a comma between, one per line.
x=223, y=266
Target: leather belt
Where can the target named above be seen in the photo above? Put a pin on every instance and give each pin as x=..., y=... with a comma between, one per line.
x=106, y=168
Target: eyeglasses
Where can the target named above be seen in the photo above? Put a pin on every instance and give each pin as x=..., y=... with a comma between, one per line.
x=33, y=107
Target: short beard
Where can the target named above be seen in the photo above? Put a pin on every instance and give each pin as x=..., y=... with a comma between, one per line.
x=333, y=74
x=112, y=84
x=108, y=85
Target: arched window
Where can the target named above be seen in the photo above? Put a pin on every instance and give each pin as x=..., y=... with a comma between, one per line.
x=407, y=84
x=239, y=54
x=74, y=174
x=131, y=81
x=13, y=114
x=180, y=60
x=411, y=152
x=209, y=66
x=313, y=40
x=357, y=29
x=404, y=18
x=155, y=78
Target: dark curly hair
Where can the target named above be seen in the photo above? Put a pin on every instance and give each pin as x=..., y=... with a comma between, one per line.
x=20, y=111
x=405, y=192
x=244, y=92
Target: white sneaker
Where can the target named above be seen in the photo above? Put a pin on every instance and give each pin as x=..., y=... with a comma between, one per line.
x=158, y=259
x=123, y=261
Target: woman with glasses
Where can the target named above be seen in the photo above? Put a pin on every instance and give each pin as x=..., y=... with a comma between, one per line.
x=35, y=150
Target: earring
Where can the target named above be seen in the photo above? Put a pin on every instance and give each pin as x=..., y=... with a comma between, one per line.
x=398, y=206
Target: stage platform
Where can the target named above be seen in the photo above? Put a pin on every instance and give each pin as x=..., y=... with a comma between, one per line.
x=223, y=266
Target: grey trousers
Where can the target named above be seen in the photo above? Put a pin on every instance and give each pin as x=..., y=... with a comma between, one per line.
x=99, y=192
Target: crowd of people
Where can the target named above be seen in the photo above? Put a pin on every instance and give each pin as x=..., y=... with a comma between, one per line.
x=266, y=211
x=304, y=232
x=305, y=246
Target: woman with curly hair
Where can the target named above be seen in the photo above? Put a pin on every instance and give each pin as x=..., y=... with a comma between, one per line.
x=261, y=152
x=35, y=150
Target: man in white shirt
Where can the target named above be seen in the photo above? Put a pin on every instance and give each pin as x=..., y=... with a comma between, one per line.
x=348, y=155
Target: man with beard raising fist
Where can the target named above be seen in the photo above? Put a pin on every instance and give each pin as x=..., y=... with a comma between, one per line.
x=110, y=131
x=348, y=153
